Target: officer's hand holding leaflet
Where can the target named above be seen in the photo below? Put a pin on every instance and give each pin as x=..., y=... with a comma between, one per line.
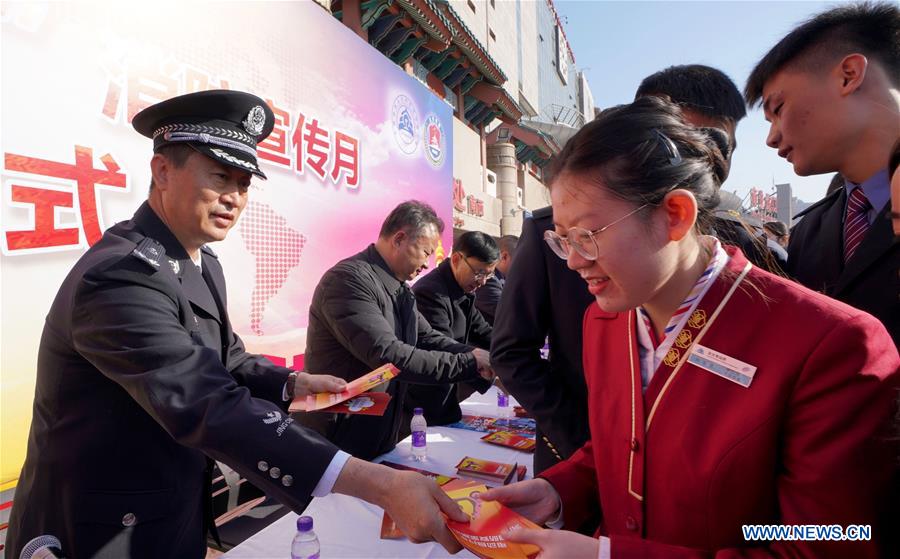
x=313, y=384
x=412, y=500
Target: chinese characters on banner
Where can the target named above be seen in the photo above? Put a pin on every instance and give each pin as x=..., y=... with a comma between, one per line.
x=45, y=197
x=468, y=204
x=763, y=205
x=299, y=142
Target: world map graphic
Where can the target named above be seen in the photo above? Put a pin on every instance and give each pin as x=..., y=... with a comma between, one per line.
x=276, y=248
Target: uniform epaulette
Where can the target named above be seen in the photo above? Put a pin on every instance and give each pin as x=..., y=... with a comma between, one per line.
x=150, y=251
x=817, y=204
x=546, y=211
x=209, y=251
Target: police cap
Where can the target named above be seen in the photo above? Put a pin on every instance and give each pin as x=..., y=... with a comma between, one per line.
x=222, y=124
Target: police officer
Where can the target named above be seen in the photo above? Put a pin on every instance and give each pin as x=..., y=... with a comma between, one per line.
x=141, y=380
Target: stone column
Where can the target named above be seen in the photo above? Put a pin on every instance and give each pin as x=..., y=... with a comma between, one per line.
x=501, y=159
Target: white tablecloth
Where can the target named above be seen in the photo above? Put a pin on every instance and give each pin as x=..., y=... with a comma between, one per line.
x=348, y=527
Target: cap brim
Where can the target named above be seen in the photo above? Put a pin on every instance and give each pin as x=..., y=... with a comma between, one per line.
x=231, y=157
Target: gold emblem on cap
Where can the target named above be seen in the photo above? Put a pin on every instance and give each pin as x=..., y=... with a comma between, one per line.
x=671, y=358
x=683, y=340
x=255, y=121
x=697, y=319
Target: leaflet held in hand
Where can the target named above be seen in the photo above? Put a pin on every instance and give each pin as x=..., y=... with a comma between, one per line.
x=323, y=400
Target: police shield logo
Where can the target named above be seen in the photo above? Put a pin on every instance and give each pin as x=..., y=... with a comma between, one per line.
x=405, y=123
x=434, y=141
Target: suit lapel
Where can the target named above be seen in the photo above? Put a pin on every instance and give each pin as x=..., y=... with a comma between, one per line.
x=877, y=241
x=198, y=293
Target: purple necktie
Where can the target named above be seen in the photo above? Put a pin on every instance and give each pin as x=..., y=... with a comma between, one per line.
x=857, y=223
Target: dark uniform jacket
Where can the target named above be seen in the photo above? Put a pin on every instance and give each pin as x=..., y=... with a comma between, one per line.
x=488, y=296
x=140, y=379
x=360, y=318
x=451, y=311
x=543, y=297
x=870, y=281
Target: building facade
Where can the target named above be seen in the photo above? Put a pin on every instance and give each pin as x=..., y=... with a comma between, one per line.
x=508, y=71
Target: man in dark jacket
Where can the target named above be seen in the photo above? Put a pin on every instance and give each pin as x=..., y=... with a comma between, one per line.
x=141, y=379
x=363, y=315
x=445, y=297
x=829, y=90
x=488, y=296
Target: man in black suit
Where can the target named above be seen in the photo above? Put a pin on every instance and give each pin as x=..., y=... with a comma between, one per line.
x=488, y=296
x=364, y=315
x=445, y=297
x=709, y=99
x=141, y=380
x=544, y=300
x=830, y=90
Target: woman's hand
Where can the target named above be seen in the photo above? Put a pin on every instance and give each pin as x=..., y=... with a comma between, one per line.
x=557, y=543
x=534, y=499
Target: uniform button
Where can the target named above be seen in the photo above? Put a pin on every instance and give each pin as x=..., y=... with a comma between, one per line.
x=275, y=472
x=263, y=466
x=635, y=445
x=287, y=480
x=545, y=439
x=129, y=519
x=631, y=524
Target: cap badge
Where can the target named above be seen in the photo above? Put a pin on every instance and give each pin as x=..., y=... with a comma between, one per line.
x=255, y=121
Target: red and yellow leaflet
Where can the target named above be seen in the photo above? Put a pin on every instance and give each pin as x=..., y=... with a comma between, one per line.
x=314, y=402
x=511, y=440
x=497, y=472
x=490, y=521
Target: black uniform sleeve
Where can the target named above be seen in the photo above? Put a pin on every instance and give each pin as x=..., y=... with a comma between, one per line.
x=263, y=378
x=349, y=307
x=126, y=323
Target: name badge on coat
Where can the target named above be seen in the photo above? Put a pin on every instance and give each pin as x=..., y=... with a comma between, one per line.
x=722, y=365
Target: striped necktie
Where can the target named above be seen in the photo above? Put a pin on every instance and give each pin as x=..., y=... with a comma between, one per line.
x=857, y=223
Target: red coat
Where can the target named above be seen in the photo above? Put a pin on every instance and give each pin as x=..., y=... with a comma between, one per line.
x=806, y=443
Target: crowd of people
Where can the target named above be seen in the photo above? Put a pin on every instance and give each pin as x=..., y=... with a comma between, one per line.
x=702, y=376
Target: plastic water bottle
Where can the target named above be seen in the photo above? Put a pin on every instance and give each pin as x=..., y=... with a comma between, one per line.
x=503, y=410
x=305, y=544
x=419, y=427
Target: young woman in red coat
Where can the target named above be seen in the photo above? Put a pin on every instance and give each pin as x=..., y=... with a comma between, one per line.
x=721, y=396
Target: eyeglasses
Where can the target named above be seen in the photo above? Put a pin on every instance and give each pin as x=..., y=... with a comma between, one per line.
x=581, y=239
x=479, y=275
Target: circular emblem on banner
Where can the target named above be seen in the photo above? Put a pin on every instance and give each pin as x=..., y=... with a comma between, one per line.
x=255, y=121
x=435, y=142
x=405, y=121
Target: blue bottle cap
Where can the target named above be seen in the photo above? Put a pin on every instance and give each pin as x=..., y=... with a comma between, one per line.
x=417, y=411
x=304, y=524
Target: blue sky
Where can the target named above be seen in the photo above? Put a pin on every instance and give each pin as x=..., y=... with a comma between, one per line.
x=619, y=43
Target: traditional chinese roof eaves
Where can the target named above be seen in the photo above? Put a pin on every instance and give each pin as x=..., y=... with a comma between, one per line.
x=549, y=142
x=543, y=145
x=430, y=17
x=497, y=96
x=472, y=47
